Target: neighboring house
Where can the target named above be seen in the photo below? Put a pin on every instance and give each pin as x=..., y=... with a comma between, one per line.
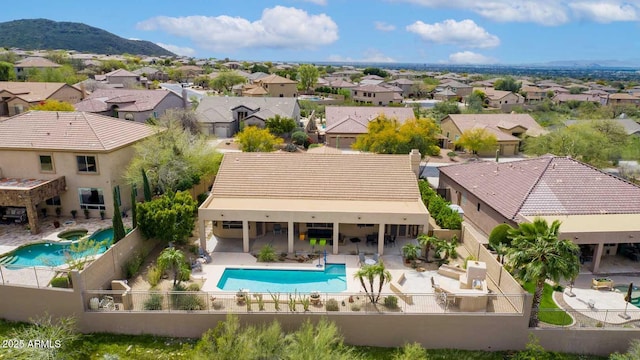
x=503, y=100
x=405, y=84
x=131, y=104
x=342, y=84
x=222, y=116
x=274, y=86
x=598, y=211
x=70, y=160
x=17, y=97
x=352, y=203
x=445, y=95
x=376, y=95
x=371, y=80
x=631, y=127
x=563, y=98
x=533, y=93
x=152, y=74
x=23, y=66
x=509, y=129
x=123, y=77
x=345, y=123
x=623, y=99
x=460, y=89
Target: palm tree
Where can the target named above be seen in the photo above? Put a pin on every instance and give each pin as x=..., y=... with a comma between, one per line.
x=427, y=242
x=447, y=249
x=173, y=259
x=370, y=272
x=410, y=251
x=536, y=254
x=501, y=249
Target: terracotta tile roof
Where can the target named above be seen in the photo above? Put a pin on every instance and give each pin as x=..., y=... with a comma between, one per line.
x=37, y=62
x=334, y=177
x=373, y=88
x=340, y=83
x=72, y=131
x=546, y=186
x=275, y=79
x=623, y=96
x=497, y=122
x=133, y=100
x=31, y=91
x=219, y=109
x=355, y=119
x=121, y=73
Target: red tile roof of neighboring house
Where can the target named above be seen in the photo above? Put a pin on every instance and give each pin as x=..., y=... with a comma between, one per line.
x=355, y=119
x=121, y=73
x=546, y=185
x=70, y=131
x=32, y=91
x=496, y=122
x=275, y=79
x=37, y=62
x=132, y=100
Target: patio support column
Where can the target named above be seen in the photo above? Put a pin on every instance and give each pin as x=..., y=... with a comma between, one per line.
x=596, y=257
x=245, y=236
x=32, y=215
x=381, y=230
x=290, y=239
x=336, y=237
x=202, y=229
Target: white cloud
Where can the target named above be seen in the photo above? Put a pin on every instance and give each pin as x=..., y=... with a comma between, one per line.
x=317, y=2
x=279, y=27
x=383, y=26
x=465, y=33
x=370, y=55
x=179, y=50
x=469, y=57
x=546, y=12
x=604, y=12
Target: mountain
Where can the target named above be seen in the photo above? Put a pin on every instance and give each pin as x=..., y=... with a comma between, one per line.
x=43, y=34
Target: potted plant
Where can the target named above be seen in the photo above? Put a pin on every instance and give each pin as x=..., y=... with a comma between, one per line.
x=102, y=214
x=58, y=211
x=86, y=213
x=410, y=252
x=241, y=296
x=74, y=213
x=315, y=297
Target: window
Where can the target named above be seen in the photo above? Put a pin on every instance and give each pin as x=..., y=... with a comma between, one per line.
x=87, y=164
x=242, y=115
x=54, y=201
x=91, y=198
x=46, y=163
x=232, y=224
x=320, y=225
x=478, y=207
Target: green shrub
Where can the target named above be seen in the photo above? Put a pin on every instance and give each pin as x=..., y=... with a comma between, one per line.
x=186, y=301
x=332, y=305
x=202, y=197
x=60, y=282
x=439, y=209
x=499, y=235
x=132, y=266
x=154, y=274
x=267, y=254
x=355, y=307
x=154, y=302
x=391, y=302
x=193, y=287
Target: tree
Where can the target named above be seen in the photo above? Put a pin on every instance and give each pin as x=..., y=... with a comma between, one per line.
x=254, y=139
x=446, y=249
x=259, y=68
x=444, y=108
x=186, y=119
x=375, y=71
x=174, y=159
x=145, y=185
x=134, y=213
x=174, y=260
x=225, y=81
x=500, y=235
x=170, y=217
x=118, y=227
x=477, y=140
x=7, y=72
x=507, y=84
x=280, y=125
x=308, y=77
x=371, y=272
x=53, y=105
x=387, y=136
x=299, y=138
x=64, y=74
x=475, y=101
x=632, y=354
x=536, y=254
x=427, y=242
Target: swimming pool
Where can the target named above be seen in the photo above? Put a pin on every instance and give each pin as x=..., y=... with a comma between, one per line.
x=635, y=293
x=332, y=279
x=54, y=253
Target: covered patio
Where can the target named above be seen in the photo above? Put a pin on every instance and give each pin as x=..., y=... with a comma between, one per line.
x=27, y=194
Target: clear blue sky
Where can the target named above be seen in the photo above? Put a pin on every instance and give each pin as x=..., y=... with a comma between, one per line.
x=420, y=31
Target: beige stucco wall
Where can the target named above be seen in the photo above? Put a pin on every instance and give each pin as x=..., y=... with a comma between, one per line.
x=68, y=94
x=376, y=98
x=281, y=90
x=343, y=140
x=111, y=166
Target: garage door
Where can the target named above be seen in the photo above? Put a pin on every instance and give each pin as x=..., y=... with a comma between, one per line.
x=221, y=132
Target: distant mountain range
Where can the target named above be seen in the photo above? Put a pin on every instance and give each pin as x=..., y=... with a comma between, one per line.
x=43, y=34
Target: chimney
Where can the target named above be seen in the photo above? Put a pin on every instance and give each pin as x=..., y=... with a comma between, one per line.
x=415, y=157
x=185, y=99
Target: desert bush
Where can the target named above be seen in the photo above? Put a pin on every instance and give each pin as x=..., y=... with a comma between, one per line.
x=132, y=266
x=154, y=274
x=267, y=254
x=332, y=305
x=193, y=287
x=154, y=302
x=391, y=302
x=355, y=307
x=60, y=282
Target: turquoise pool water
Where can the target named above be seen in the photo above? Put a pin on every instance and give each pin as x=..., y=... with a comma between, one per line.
x=635, y=293
x=54, y=253
x=332, y=279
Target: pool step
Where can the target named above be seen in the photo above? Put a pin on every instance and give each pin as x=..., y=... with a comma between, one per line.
x=7, y=260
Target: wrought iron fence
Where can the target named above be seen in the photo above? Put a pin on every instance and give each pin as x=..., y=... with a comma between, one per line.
x=591, y=318
x=243, y=302
x=36, y=276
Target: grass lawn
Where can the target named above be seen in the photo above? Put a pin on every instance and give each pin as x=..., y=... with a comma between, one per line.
x=556, y=316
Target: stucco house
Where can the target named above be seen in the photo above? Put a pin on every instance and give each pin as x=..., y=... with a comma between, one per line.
x=221, y=115
x=598, y=211
x=23, y=66
x=623, y=99
x=499, y=99
x=362, y=194
x=376, y=95
x=122, y=77
x=345, y=123
x=533, y=93
x=17, y=97
x=70, y=160
x=460, y=89
x=131, y=104
x=274, y=86
x=509, y=129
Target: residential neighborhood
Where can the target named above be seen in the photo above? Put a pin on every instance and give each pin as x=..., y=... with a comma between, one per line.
x=478, y=210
